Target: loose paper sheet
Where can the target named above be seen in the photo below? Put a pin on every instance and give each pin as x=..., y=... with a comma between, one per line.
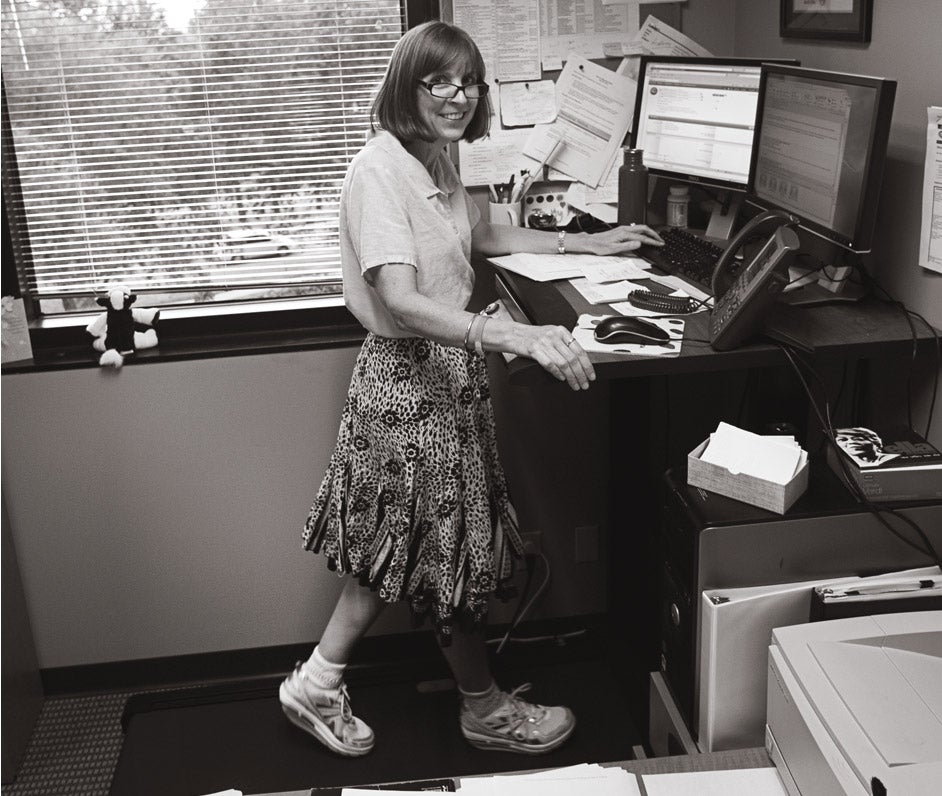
x=595, y=106
x=656, y=38
x=930, y=238
x=754, y=781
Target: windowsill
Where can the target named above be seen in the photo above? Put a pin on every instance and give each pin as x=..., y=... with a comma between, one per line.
x=187, y=333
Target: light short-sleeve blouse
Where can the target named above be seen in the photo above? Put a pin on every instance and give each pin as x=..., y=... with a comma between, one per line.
x=394, y=210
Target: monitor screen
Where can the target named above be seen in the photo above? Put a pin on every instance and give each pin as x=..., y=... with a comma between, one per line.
x=820, y=148
x=695, y=118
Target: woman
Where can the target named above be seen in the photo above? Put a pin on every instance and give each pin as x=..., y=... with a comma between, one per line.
x=414, y=505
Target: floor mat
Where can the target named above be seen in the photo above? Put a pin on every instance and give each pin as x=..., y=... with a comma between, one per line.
x=193, y=746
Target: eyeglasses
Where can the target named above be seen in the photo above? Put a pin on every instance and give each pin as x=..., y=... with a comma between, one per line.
x=450, y=90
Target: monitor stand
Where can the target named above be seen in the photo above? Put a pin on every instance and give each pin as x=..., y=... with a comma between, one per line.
x=725, y=211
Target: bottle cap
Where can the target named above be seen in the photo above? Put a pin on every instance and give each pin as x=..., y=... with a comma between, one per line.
x=678, y=190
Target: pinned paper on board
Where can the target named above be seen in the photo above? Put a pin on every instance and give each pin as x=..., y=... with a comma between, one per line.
x=527, y=103
x=595, y=107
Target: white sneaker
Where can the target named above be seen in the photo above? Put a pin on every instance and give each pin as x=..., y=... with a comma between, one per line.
x=325, y=713
x=518, y=726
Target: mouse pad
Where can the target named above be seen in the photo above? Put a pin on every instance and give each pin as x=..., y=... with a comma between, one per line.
x=584, y=333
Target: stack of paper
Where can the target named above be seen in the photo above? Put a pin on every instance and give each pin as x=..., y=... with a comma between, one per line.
x=774, y=459
x=587, y=779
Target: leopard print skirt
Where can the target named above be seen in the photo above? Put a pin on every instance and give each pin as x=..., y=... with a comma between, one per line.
x=414, y=503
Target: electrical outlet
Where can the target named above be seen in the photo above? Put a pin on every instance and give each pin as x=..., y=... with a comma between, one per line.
x=532, y=543
x=586, y=544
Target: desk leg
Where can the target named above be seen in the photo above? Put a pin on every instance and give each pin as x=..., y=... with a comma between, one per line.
x=637, y=459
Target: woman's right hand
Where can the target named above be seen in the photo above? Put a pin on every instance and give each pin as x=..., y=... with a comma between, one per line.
x=558, y=352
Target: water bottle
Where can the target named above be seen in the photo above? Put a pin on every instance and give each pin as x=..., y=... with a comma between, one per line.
x=632, y=188
x=677, y=204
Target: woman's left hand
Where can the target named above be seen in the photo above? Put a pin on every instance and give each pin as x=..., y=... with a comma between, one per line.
x=619, y=240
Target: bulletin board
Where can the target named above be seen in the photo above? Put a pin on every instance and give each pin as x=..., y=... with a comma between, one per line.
x=562, y=70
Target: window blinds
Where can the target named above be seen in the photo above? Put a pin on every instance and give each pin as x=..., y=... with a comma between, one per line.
x=187, y=145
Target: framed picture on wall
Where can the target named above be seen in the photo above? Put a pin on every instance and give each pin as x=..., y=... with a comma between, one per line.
x=834, y=20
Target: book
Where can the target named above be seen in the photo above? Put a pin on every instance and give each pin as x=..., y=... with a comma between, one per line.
x=892, y=465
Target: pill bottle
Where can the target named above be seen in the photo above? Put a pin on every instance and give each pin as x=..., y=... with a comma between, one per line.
x=677, y=203
x=632, y=188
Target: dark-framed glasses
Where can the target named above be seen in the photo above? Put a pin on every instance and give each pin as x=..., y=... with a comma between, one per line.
x=450, y=90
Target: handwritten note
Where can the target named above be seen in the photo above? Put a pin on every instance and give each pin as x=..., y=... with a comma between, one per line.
x=528, y=103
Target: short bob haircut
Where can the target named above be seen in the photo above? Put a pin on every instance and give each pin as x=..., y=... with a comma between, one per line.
x=427, y=49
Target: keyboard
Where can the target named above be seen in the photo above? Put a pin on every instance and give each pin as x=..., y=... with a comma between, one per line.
x=684, y=254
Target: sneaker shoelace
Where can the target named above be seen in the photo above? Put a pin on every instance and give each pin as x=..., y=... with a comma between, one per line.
x=343, y=699
x=519, y=711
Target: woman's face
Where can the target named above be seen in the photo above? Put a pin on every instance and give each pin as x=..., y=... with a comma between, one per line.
x=447, y=118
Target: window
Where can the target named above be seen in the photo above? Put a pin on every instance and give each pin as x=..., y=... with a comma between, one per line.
x=191, y=149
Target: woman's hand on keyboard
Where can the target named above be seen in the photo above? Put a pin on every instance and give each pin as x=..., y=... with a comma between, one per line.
x=619, y=240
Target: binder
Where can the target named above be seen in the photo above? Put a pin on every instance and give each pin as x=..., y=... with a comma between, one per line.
x=913, y=593
x=735, y=630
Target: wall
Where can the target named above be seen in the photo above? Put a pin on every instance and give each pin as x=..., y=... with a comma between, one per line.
x=156, y=510
x=904, y=46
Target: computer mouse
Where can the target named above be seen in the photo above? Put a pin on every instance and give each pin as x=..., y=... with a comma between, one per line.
x=633, y=331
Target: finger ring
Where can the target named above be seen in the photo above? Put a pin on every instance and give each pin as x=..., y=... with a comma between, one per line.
x=570, y=341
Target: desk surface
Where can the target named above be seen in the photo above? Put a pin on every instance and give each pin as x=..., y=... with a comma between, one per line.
x=711, y=761
x=847, y=330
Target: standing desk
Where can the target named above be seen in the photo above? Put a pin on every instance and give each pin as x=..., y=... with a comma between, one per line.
x=638, y=452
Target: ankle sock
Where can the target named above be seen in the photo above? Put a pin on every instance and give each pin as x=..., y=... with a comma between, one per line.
x=323, y=672
x=483, y=703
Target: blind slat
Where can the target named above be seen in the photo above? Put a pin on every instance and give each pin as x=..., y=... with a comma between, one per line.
x=141, y=147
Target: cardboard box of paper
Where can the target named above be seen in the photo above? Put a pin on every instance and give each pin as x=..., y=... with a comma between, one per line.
x=768, y=472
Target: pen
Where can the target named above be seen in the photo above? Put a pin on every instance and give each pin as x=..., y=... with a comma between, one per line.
x=494, y=196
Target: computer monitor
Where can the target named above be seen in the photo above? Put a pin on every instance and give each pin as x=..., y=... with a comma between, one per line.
x=694, y=120
x=819, y=151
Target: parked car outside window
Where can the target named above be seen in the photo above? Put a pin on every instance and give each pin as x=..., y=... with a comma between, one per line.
x=246, y=244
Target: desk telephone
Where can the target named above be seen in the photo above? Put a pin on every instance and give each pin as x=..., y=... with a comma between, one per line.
x=742, y=296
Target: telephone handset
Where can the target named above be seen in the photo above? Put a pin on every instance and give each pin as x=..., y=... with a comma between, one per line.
x=740, y=309
x=763, y=225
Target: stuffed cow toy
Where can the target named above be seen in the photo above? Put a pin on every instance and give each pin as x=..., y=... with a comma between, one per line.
x=121, y=330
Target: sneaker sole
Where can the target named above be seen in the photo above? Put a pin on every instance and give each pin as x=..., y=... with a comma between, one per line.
x=304, y=719
x=491, y=744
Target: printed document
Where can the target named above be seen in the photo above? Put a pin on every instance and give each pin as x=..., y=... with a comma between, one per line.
x=507, y=34
x=594, y=110
x=491, y=160
x=930, y=238
x=659, y=38
x=583, y=27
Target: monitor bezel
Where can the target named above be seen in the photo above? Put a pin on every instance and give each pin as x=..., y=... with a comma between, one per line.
x=861, y=241
x=686, y=177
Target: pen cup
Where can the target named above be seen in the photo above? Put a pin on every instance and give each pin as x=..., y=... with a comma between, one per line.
x=504, y=213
